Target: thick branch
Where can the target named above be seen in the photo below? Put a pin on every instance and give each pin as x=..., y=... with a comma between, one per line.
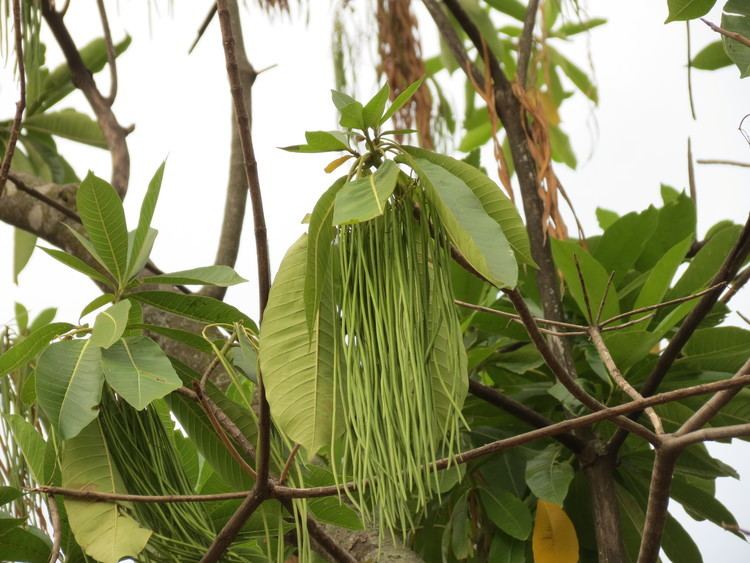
x=234, y=525
x=15, y=129
x=658, y=503
x=113, y=132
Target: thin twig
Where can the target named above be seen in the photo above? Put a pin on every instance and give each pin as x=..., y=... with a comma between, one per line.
x=723, y=162
x=741, y=39
x=691, y=174
x=619, y=379
x=584, y=289
x=215, y=361
x=515, y=316
x=735, y=285
x=15, y=129
x=204, y=26
x=690, y=74
x=288, y=464
x=54, y=514
x=96, y=496
x=603, y=300
x=526, y=42
x=111, y=55
x=663, y=304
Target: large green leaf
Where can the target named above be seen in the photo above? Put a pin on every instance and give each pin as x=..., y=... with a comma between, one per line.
x=624, y=240
x=699, y=503
x=103, y=217
x=33, y=447
x=681, y=10
x=661, y=275
x=722, y=349
x=365, y=198
x=401, y=100
x=69, y=385
x=196, y=307
x=676, y=223
x=143, y=231
x=566, y=253
x=298, y=365
x=28, y=544
x=505, y=549
x=78, y=265
x=139, y=371
x=222, y=276
x=507, y=512
x=69, y=124
x=23, y=246
x=110, y=324
x=320, y=234
x=102, y=529
x=513, y=8
x=712, y=57
x=476, y=236
x=548, y=476
x=736, y=18
x=25, y=350
x=494, y=201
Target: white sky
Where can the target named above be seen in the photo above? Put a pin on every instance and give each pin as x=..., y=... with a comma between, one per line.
x=181, y=107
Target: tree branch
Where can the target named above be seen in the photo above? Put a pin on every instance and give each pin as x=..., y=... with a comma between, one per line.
x=21, y=104
x=54, y=515
x=658, y=503
x=113, y=132
x=111, y=55
x=738, y=37
x=230, y=530
x=526, y=42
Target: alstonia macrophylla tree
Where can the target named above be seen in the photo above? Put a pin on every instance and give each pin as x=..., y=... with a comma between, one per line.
x=431, y=378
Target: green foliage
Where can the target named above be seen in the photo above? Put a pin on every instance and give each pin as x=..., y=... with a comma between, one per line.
x=688, y=9
x=736, y=18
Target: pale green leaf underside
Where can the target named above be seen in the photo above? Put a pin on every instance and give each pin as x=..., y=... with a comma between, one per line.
x=548, y=476
x=139, y=371
x=222, y=276
x=476, y=236
x=365, y=198
x=297, y=365
x=736, y=18
x=101, y=529
x=69, y=385
x=110, y=324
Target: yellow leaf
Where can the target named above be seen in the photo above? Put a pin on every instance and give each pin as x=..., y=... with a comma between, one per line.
x=334, y=164
x=554, y=539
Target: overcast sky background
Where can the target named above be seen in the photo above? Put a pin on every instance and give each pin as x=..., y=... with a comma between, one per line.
x=181, y=108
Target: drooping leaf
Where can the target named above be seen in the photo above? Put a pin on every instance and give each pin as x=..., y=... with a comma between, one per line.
x=23, y=246
x=459, y=527
x=32, y=447
x=594, y=275
x=401, y=100
x=320, y=234
x=141, y=234
x=298, y=365
x=222, y=276
x=494, y=201
x=25, y=350
x=321, y=141
x=711, y=57
x=103, y=217
x=548, y=476
x=69, y=385
x=110, y=324
x=77, y=264
x=700, y=504
x=196, y=307
x=476, y=235
x=69, y=124
x=554, y=539
x=102, y=529
x=373, y=111
x=736, y=18
x=139, y=371
x=682, y=10
x=507, y=512
x=365, y=198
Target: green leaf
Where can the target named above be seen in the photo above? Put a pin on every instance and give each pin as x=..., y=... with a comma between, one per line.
x=505, y=549
x=676, y=223
x=574, y=28
x=110, y=324
x=103, y=217
x=138, y=261
x=507, y=512
x=700, y=504
x=494, y=201
x=320, y=234
x=401, y=100
x=9, y=494
x=139, y=371
x=660, y=277
x=69, y=385
x=711, y=57
x=373, y=111
x=460, y=530
x=78, y=265
x=513, y=8
x=298, y=365
x=96, y=303
x=23, y=246
x=594, y=275
x=606, y=217
x=365, y=198
x=350, y=109
x=196, y=307
x=562, y=150
x=44, y=318
x=222, y=276
x=576, y=75
x=22, y=317
x=28, y=544
x=721, y=349
x=69, y=124
x=736, y=18
x=321, y=141
x=548, y=476
x=476, y=137
x=102, y=529
x=624, y=241
x=682, y=10
x=188, y=338
x=33, y=447
x=25, y=350
x=143, y=231
x=677, y=543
